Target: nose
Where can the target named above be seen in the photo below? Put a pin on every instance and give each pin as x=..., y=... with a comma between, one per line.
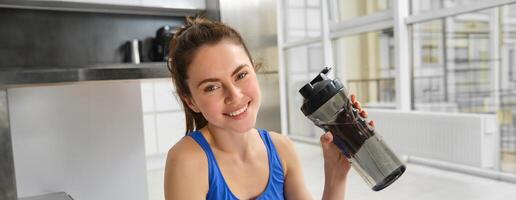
x=233, y=94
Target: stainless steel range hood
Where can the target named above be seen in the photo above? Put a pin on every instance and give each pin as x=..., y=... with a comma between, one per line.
x=179, y=8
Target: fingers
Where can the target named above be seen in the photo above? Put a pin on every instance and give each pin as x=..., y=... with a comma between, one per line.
x=372, y=123
x=354, y=102
x=357, y=105
x=363, y=113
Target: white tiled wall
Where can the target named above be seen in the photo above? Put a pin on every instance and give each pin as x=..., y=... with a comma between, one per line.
x=164, y=122
x=164, y=125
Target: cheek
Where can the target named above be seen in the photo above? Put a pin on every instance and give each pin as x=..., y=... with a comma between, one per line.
x=210, y=105
x=207, y=104
x=252, y=88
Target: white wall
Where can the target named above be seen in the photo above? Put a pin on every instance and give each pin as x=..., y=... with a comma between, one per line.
x=83, y=139
x=465, y=139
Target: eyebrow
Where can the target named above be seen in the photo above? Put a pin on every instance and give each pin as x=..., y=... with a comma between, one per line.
x=216, y=79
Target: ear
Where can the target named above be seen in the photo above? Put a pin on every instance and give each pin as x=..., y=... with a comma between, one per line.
x=191, y=103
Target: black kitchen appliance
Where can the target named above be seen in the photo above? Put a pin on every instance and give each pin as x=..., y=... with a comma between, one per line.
x=159, y=50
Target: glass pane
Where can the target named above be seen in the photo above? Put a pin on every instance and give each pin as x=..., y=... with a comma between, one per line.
x=367, y=63
x=302, y=19
x=346, y=9
x=507, y=110
x=303, y=63
x=466, y=64
x=428, y=60
x=453, y=65
x=421, y=6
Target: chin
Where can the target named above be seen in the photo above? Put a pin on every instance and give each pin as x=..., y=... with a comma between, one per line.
x=245, y=127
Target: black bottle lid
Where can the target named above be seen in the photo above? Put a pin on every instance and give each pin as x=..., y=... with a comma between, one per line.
x=319, y=91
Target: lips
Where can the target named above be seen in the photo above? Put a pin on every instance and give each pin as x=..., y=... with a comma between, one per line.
x=239, y=111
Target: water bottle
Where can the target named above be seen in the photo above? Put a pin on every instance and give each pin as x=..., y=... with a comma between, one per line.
x=327, y=105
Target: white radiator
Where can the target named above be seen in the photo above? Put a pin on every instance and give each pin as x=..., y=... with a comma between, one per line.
x=467, y=139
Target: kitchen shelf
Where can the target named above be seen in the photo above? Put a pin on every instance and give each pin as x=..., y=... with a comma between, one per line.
x=14, y=77
x=98, y=8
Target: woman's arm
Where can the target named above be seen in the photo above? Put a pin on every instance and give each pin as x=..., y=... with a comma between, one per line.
x=295, y=187
x=186, y=172
x=335, y=169
x=336, y=166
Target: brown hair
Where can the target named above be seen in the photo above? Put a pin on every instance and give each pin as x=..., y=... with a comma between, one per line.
x=186, y=41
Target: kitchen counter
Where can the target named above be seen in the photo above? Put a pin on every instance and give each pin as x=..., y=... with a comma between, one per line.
x=123, y=71
x=51, y=196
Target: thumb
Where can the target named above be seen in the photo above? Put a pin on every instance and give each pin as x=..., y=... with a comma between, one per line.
x=326, y=140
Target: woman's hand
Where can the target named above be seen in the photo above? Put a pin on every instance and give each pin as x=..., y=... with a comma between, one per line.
x=336, y=166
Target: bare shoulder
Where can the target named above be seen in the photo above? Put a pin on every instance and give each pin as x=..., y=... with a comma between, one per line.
x=281, y=140
x=285, y=148
x=186, y=151
x=186, y=171
x=295, y=187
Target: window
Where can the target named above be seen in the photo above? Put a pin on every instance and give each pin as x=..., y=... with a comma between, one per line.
x=342, y=10
x=452, y=63
x=367, y=63
x=462, y=56
x=465, y=63
x=302, y=19
x=303, y=63
x=423, y=6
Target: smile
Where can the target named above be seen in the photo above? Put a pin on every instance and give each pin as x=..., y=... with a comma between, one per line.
x=239, y=111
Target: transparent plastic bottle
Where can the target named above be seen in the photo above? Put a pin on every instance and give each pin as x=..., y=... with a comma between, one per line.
x=326, y=103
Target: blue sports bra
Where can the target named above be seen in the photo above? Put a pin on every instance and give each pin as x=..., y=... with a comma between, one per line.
x=218, y=186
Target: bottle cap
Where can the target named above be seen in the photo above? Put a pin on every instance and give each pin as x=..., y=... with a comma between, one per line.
x=319, y=91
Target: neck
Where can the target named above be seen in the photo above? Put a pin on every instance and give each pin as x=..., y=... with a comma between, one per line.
x=238, y=143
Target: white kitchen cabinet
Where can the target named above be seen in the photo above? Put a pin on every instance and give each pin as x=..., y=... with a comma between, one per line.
x=83, y=139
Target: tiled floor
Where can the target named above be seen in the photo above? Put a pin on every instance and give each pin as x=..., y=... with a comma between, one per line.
x=418, y=183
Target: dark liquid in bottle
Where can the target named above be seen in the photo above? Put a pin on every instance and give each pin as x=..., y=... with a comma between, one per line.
x=349, y=131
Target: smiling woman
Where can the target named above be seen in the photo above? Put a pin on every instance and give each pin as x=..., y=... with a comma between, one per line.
x=226, y=85
x=197, y=35
x=223, y=155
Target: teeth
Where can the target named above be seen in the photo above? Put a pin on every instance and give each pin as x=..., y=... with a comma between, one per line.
x=238, y=111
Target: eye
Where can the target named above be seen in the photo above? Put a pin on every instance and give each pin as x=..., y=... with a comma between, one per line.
x=242, y=75
x=210, y=88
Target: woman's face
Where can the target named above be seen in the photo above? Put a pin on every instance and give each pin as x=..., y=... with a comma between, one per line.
x=224, y=87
